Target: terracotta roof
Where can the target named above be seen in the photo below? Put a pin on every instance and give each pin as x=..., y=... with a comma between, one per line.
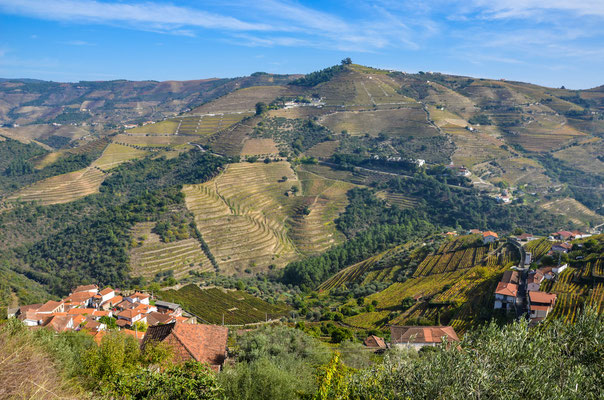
x=139, y=295
x=510, y=276
x=85, y=288
x=137, y=334
x=566, y=246
x=542, y=297
x=81, y=311
x=545, y=270
x=113, y=301
x=489, y=233
x=30, y=307
x=375, y=341
x=181, y=319
x=156, y=318
x=203, y=343
x=122, y=323
x=77, y=320
x=79, y=296
x=535, y=277
x=507, y=289
x=58, y=323
x=564, y=234
x=126, y=305
x=422, y=334
x=49, y=306
x=129, y=314
x=106, y=291
x=524, y=236
x=475, y=231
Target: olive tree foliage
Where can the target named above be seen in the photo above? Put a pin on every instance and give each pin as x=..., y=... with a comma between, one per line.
x=274, y=363
x=555, y=361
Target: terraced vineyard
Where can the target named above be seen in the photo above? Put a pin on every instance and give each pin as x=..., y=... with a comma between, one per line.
x=575, y=211
x=242, y=100
x=235, y=306
x=538, y=247
x=63, y=188
x=241, y=215
x=151, y=140
x=324, y=200
x=154, y=256
x=115, y=154
x=93, y=146
x=162, y=128
x=397, y=199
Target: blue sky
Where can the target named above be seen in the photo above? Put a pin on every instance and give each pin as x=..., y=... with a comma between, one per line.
x=548, y=42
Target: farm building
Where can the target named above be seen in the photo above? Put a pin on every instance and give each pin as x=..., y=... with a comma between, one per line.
x=202, y=343
x=533, y=281
x=506, y=294
x=489, y=237
x=540, y=304
x=375, y=342
x=562, y=247
x=420, y=336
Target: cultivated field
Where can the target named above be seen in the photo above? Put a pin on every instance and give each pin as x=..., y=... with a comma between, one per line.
x=241, y=215
x=115, y=154
x=257, y=147
x=575, y=211
x=324, y=199
x=161, y=128
x=397, y=199
x=63, y=188
x=235, y=306
x=153, y=256
x=585, y=157
x=399, y=122
x=151, y=140
x=242, y=100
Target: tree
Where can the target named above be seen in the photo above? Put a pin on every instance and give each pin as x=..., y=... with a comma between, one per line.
x=346, y=61
x=261, y=108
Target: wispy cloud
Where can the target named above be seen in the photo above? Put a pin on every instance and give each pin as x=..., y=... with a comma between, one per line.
x=78, y=43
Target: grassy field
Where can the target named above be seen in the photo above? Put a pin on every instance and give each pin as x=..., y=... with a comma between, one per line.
x=153, y=256
x=245, y=209
x=398, y=122
x=323, y=150
x=115, y=154
x=63, y=188
x=237, y=307
x=242, y=100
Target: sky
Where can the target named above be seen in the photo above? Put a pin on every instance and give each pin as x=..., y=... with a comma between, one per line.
x=546, y=42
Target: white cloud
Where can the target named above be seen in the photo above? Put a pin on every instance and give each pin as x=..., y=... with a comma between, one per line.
x=529, y=8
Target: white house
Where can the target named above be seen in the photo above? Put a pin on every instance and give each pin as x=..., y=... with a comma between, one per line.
x=559, y=268
x=489, y=237
x=138, y=297
x=533, y=281
x=540, y=304
x=107, y=294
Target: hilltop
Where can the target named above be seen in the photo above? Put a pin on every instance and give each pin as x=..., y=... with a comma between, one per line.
x=291, y=177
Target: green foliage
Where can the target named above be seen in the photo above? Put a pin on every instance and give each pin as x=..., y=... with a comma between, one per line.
x=273, y=363
x=314, y=78
x=189, y=381
x=562, y=361
x=480, y=119
x=261, y=108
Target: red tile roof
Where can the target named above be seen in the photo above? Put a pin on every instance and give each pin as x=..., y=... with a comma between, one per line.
x=85, y=288
x=507, y=289
x=106, y=291
x=375, y=341
x=510, y=276
x=489, y=233
x=422, y=334
x=542, y=297
x=203, y=343
x=79, y=296
x=49, y=306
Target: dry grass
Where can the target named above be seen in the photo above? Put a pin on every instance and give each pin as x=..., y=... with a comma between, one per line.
x=28, y=373
x=164, y=128
x=323, y=149
x=256, y=147
x=584, y=156
x=151, y=141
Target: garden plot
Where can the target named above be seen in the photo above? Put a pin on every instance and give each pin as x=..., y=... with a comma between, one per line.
x=63, y=188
